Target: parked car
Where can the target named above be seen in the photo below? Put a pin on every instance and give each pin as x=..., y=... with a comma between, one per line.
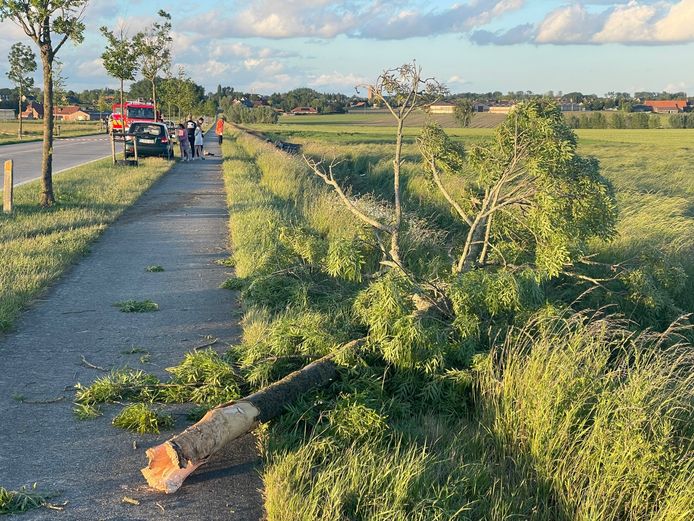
x=152, y=140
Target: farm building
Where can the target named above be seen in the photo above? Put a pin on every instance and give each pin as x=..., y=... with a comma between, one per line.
x=34, y=110
x=666, y=106
x=70, y=113
x=442, y=107
x=572, y=107
x=6, y=114
x=300, y=111
x=501, y=108
x=480, y=107
x=641, y=108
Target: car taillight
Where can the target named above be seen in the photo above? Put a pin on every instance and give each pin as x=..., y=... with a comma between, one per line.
x=164, y=140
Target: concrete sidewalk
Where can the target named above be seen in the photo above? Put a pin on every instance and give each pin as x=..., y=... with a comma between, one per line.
x=181, y=224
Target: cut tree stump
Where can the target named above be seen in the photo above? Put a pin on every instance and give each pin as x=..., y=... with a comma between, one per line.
x=174, y=460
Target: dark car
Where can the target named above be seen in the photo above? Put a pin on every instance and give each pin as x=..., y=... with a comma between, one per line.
x=152, y=138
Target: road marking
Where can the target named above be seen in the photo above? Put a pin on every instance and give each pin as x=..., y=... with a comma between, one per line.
x=64, y=170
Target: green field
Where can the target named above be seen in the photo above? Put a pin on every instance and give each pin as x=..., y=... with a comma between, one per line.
x=559, y=431
x=651, y=171
x=33, y=130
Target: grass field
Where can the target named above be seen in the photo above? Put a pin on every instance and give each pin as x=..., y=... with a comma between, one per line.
x=650, y=170
x=38, y=244
x=33, y=130
x=587, y=420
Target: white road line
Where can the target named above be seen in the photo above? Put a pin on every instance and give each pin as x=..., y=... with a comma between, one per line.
x=64, y=170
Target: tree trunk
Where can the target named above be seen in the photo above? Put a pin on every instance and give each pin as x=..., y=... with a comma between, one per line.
x=122, y=117
x=20, y=112
x=397, y=163
x=154, y=99
x=47, y=198
x=173, y=461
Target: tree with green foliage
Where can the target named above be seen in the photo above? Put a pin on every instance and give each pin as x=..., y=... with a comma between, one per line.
x=120, y=61
x=50, y=24
x=463, y=112
x=154, y=47
x=528, y=199
x=22, y=62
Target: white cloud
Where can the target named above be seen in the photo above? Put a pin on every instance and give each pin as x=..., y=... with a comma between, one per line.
x=457, y=80
x=337, y=81
x=659, y=22
x=377, y=19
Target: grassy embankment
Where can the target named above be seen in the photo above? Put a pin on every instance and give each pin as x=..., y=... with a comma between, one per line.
x=39, y=244
x=586, y=421
x=33, y=130
x=650, y=170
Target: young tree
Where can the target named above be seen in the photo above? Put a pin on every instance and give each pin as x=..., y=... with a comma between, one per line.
x=154, y=46
x=42, y=21
x=22, y=62
x=59, y=84
x=120, y=61
x=463, y=112
x=401, y=90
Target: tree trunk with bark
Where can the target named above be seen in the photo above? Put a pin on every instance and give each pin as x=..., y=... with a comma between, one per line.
x=47, y=198
x=173, y=461
x=20, y=112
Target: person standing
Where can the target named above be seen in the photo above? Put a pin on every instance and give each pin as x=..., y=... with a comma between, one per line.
x=190, y=128
x=183, y=143
x=219, y=129
x=201, y=121
x=198, y=143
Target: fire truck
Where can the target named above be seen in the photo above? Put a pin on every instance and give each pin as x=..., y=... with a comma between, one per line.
x=134, y=111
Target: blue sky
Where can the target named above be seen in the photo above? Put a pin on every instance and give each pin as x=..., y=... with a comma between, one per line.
x=472, y=45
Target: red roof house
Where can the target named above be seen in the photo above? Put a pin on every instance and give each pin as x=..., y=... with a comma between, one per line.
x=666, y=106
x=70, y=113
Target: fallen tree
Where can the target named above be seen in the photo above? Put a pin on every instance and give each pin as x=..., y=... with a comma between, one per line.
x=174, y=460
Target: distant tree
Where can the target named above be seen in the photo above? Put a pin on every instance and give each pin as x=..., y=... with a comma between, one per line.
x=463, y=112
x=50, y=24
x=60, y=94
x=154, y=46
x=120, y=61
x=22, y=62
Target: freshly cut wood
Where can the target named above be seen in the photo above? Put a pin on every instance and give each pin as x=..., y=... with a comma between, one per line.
x=173, y=461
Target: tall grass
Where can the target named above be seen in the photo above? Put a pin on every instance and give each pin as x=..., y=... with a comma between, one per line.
x=38, y=244
x=569, y=419
x=603, y=415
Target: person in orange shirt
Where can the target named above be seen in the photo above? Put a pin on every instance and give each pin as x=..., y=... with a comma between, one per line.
x=219, y=128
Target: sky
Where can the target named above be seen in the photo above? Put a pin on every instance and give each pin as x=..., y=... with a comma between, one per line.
x=266, y=46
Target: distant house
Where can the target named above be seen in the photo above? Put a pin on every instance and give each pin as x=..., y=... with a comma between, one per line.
x=666, y=106
x=244, y=101
x=359, y=105
x=501, y=108
x=70, y=113
x=6, y=114
x=301, y=111
x=442, y=107
x=34, y=110
x=571, y=107
x=641, y=108
x=480, y=107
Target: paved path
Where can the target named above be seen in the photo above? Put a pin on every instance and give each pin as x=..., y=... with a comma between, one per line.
x=67, y=153
x=180, y=224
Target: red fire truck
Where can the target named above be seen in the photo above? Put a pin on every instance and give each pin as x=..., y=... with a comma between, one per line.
x=134, y=111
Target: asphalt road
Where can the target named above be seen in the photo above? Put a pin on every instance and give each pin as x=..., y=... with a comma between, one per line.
x=67, y=153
